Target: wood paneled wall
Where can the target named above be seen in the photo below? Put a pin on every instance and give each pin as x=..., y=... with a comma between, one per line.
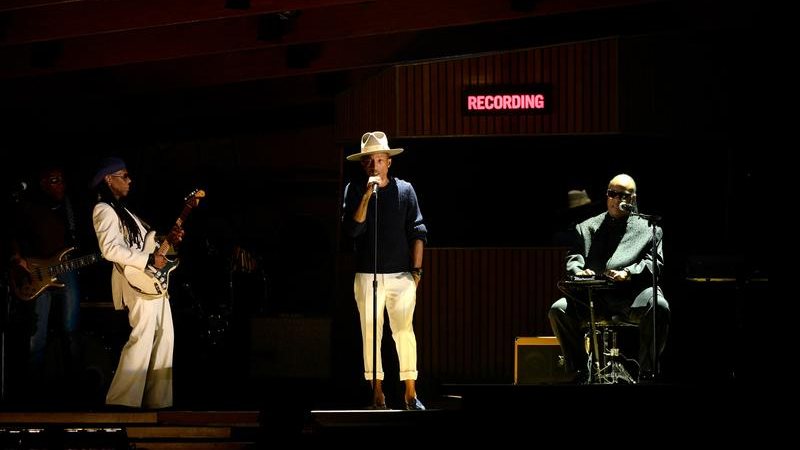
x=473, y=302
x=368, y=107
x=425, y=99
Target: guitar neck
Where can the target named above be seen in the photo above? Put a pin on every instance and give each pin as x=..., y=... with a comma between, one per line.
x=74, y=264
x=163, y=249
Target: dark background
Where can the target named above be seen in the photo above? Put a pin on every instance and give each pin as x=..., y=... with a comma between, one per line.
x=470, y=194
x=265, y=149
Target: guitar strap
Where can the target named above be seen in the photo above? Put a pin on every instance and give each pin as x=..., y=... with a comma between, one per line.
x=146, y=226
x=121, y=268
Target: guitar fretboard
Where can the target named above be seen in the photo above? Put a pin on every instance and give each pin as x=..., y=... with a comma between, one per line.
x=73, y=264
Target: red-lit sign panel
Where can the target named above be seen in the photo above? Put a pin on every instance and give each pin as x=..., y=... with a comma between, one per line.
x=527, y=99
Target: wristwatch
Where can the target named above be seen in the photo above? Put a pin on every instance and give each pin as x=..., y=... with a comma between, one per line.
x=417, y=271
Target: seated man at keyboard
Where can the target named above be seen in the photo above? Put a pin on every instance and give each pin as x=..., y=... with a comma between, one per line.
x=615, y=246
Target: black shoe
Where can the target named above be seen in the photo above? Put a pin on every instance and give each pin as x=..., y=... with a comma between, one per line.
x=415, y=405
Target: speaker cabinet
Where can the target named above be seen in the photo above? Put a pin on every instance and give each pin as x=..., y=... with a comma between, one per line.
x=537, y=360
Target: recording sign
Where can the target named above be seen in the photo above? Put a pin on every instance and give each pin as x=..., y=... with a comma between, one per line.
x=527, y=99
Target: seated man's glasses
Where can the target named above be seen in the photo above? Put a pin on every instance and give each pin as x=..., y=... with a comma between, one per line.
x=617, y=194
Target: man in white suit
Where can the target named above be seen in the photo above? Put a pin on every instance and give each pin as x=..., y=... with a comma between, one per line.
x=144, y=374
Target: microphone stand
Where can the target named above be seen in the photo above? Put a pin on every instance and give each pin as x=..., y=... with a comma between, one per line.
x=652, y=220
x=375, y=297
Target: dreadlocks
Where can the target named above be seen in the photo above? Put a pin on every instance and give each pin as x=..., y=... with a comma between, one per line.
x=130, y=229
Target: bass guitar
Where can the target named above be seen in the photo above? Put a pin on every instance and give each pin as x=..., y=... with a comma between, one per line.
x=151, y=280
x=43, y=273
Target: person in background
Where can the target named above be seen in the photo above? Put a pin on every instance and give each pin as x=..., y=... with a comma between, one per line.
x=579, y=208
x=44, y=227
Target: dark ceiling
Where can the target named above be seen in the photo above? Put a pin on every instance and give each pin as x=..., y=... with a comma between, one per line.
x=64, y=64
x=101, y=73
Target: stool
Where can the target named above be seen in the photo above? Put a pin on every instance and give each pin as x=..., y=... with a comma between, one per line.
x=605, y=363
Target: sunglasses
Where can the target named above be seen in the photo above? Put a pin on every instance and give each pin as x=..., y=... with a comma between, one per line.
x=618, y=194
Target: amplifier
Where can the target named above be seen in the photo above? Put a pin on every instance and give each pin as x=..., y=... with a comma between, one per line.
x=538, y=360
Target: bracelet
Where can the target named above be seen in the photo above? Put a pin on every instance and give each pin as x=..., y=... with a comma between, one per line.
x=416, y=271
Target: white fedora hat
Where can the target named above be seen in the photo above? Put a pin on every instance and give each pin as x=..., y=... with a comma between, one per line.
x=374, y=142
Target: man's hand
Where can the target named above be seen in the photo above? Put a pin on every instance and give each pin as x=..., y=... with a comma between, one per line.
x=617, y=275
x=416, y=273
x=175, y=236
x=159, y=261
x=585, y=273
x=372, y=182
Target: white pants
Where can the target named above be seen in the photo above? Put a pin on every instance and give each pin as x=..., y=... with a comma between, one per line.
x=397, y=294
x=144, y=373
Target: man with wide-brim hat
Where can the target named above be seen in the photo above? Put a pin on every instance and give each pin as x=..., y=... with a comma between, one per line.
x=385, y=211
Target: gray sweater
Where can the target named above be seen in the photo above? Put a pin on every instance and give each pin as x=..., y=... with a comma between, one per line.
x=606, y=243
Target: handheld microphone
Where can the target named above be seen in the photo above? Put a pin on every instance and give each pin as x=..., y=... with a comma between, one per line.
x=374, y=181
x=627, y=207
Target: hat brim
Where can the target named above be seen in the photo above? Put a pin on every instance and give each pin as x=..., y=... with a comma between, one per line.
x=359, y=155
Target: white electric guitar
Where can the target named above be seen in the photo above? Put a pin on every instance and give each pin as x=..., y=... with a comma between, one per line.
x=153, y=281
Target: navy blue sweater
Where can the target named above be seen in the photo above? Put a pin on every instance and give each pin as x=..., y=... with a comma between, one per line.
x=399, y=224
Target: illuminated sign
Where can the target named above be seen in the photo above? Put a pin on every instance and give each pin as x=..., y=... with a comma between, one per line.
x=526, y=99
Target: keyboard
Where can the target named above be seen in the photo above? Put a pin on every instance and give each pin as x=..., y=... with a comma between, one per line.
x=579, y=281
